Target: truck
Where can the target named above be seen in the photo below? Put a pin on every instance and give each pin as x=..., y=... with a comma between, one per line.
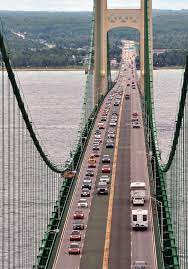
x=138, y=193
x=139, y=219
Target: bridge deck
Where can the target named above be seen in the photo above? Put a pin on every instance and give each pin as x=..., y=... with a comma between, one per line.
x=108, y=241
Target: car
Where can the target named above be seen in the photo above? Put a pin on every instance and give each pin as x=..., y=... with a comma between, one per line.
x=103, y=118
x=128, y=84
x=78, y=214
x=102, y=188
x=106, y=168
x=74, y=248
x=111, y=132
x=127, y=96
x=86, y=186
x=106, y=159
x=95, y=147
x=104, y=114
x=82, y=203
x=114, y=113
x=97, y=136
x=78, y=225
x=97, y=131
x=85, y=193
x=110, y=136
x=139, y=265
x=136, y=124
x=96, y=154
x=113, y=119
x=96, y=143
x=112, y=124
x=133, y=87
x=101, y=125
x=75, y=236
x=110, y=144
x=135, y=114
x=89, y=173
x=87, y=180
x=97, y=140
x=104, y=178
x=92, y=165
x=116, y=103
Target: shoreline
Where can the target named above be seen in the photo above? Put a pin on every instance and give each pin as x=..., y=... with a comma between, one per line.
x=83, y=69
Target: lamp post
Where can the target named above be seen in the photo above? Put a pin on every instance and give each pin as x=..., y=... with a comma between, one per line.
x=161, y=208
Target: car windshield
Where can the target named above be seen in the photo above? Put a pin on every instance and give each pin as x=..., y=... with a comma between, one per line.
x=75, y=233
x=74, y=245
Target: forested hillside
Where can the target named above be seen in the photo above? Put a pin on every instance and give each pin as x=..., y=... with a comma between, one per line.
x=59, y=39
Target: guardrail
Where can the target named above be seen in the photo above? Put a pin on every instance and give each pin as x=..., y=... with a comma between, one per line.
x=151, y=168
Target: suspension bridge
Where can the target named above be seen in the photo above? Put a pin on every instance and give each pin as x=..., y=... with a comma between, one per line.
x=39, y=199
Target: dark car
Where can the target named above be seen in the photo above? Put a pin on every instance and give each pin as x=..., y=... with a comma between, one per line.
x=109, y=144
x=86, y=186
x=106, y=159
x=95, y=147
x=89, y=173
x=103, y=118
x=85, y=193
x=78, y=225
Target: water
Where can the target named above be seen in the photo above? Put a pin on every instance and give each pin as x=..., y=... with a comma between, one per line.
x=55, y=98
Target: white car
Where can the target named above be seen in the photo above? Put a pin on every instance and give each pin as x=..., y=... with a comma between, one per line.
x=82, y=203
x=105, y=178
x=136, y=124
x=112, y=124
x=97, y=136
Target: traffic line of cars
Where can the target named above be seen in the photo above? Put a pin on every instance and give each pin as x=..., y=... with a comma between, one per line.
x=88, y=183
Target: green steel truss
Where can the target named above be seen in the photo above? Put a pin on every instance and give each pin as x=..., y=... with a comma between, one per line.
x=171, y=178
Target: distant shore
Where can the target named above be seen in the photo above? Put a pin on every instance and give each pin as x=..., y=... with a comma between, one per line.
x=81, y=68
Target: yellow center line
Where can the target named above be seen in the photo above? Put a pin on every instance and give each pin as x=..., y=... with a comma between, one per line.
x=111, y=199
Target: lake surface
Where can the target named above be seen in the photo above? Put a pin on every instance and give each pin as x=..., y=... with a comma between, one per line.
x=55, y=99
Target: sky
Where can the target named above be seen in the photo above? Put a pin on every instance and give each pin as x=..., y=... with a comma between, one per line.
x=79, y=5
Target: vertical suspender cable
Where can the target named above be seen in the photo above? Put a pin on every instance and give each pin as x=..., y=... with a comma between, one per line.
x=9, y=183
x=3, y=169
x=14, y=181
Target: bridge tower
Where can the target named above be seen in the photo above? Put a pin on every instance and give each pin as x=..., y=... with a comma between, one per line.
x=107, y=19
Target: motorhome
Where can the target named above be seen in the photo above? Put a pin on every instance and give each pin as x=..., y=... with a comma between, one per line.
x=138, y=192
x=139, y=219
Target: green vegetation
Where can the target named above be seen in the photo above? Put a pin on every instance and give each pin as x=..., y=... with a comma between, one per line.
x=60, y=39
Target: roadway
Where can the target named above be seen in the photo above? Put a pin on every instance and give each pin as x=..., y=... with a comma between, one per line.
x=108, y=240
x=63, y=259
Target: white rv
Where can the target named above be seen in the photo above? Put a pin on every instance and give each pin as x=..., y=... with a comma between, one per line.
x=139, y=219
x=138, y=192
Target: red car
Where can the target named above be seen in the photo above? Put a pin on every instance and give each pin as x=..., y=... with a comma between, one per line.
x=106, y=169
x=74, y=248
x=78, y=214
x=101, y=125
x=135, y=114
x=75, y=236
